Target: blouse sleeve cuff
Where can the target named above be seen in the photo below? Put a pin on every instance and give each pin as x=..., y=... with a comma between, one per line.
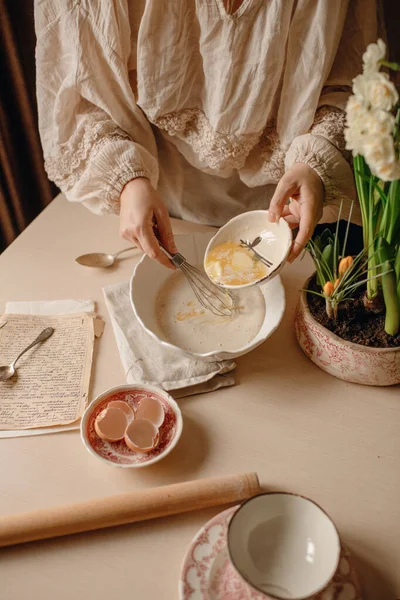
x=335, y=173
x=104, y=176
x=118, y=181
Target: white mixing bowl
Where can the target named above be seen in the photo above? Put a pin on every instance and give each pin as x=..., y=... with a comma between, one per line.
x=149, y=276
x=276, y=241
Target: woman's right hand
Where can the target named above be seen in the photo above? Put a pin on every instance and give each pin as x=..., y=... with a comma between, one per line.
x=140, y=209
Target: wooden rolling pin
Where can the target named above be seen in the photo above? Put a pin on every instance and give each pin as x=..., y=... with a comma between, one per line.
x=126, y=508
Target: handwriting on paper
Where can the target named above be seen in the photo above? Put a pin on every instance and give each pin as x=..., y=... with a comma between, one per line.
x=51, y=383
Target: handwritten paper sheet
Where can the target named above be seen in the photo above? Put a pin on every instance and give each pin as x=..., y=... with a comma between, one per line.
x=51, y=384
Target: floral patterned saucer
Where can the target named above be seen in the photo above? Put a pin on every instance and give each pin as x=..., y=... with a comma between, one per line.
x=208, y=574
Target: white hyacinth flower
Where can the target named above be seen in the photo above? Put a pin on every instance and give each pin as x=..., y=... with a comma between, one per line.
x=380, y=155
x=380, y=92
x=360, y=87
x=354, y=109
x=354, y=141
x=356, y=118
x=379, y=122
x=372, y=56
x=388, y=172
x=369, y=122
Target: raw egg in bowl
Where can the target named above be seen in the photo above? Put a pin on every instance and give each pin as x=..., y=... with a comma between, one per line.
x=166, y=307
x=248, y=250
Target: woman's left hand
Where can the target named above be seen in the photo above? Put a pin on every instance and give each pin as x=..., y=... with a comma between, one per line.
x=304, y=187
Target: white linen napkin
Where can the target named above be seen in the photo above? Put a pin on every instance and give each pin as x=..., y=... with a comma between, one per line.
x=147, y=361
x=50, y=307
x=46, y=307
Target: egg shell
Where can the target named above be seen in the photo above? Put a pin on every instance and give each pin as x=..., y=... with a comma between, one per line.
x=151, y=409
x=110, y=424
x=124, y=406
x=141, y=435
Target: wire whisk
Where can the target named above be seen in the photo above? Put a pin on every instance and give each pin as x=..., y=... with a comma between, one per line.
x=211, y=296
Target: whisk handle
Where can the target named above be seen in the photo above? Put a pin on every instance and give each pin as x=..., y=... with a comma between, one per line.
x=177, y=259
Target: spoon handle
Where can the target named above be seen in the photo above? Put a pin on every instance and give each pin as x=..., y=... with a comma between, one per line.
x=46, y=333
x=125, y=250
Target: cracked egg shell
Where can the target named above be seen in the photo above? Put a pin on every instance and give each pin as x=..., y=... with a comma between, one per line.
x=110, y=424
x=152, y=410
x=124, y=406
x=141, y=435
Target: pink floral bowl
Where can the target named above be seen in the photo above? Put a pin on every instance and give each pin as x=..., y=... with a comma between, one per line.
x=117, y=453
x=347, y=361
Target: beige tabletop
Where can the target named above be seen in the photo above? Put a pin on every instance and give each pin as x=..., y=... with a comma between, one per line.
x=298, y=428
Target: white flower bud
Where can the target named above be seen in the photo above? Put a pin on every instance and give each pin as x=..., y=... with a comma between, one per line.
x=372, y=56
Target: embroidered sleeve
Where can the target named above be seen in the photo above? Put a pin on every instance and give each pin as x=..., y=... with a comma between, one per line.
x=323, y=149
x=95, y=138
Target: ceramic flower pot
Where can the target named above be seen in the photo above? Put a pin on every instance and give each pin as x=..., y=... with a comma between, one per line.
x=348, y=361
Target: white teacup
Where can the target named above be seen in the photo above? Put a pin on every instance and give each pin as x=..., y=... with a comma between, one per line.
x=284, y=545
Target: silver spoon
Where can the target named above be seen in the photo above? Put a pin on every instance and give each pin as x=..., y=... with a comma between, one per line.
x=8, y=371
x=100, y=259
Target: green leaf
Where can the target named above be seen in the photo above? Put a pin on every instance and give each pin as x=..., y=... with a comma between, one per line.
x=392, y=303
x=336, y=245
x=346, y=235
x=361, y=169
x=327, y=256
x=313, y=292
x=317, y=242
x=326, y=237
x=369, y=179
x=397, y=264
x=390, y=65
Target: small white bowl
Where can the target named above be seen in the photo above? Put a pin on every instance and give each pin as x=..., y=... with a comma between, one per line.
x=275, y=244
x=117, y=453
x=284, y=546
x=149, y=276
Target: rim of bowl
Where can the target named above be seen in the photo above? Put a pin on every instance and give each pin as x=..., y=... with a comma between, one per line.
x=339, y=549
x=133, y=386
x=270, y=275
x=333, y=336
x=214, y=353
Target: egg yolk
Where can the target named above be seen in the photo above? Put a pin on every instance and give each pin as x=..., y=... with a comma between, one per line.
x=232, y=264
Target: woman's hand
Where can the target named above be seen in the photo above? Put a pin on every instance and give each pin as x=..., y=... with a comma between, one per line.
x=140, y=209
x=304, y=187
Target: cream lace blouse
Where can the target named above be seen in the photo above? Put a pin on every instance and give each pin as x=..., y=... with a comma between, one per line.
x=212, y=107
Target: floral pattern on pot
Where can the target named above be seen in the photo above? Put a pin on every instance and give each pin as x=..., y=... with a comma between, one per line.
x=208, y=574
x=348, y=361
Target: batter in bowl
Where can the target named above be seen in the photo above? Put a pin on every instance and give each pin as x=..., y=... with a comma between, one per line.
x=183, y=322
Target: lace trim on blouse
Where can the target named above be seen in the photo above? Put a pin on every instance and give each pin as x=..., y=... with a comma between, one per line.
x=329, y=122
x=66, y=167
x=220, y=150
x=217, y=150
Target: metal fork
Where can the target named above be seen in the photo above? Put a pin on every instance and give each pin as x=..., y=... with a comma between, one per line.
x=251, y=245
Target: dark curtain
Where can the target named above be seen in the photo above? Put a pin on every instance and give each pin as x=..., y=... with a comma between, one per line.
x=391, y=9
x=24, y=187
